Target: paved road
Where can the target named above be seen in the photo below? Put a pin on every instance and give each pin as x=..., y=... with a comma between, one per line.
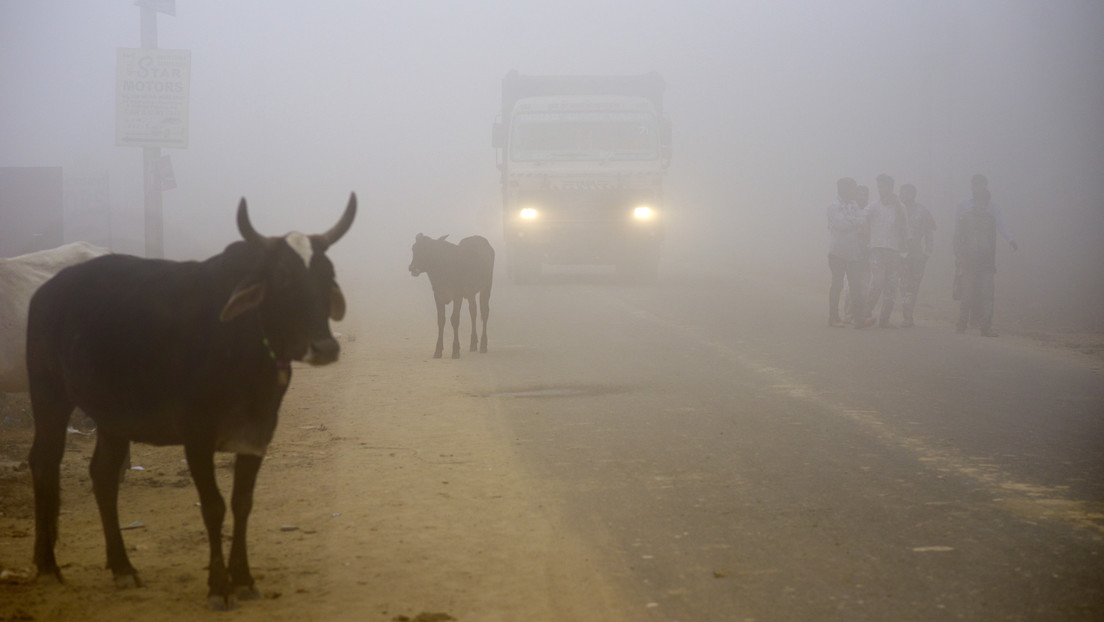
x=733, y=458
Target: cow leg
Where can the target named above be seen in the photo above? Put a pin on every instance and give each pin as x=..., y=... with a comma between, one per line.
x=456, y=304
x=107, y=459
x=51, y=414
x=241, y=504
x=485, y=311
x=201, y=463
x=440, y=330
x=474, y=332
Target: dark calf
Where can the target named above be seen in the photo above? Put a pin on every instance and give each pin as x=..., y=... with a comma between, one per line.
x=456, y=272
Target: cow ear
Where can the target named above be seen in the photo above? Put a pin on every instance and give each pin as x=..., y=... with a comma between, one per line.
x=442, y=238
x=337, y=304
x=418, y=237
x=243, y=299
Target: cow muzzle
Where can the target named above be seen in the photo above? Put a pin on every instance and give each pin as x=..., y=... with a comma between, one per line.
x=322, y=352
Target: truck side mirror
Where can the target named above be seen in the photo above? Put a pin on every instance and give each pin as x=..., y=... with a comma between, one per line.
x=498, y=135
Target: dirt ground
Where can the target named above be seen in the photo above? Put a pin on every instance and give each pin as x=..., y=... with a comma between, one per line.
x=387, y=494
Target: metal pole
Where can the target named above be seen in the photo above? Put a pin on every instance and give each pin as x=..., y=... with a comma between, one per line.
x=151, y=158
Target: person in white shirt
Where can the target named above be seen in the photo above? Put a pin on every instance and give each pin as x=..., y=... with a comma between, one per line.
x=888, y=225
x=845, y=225
x=862, y=197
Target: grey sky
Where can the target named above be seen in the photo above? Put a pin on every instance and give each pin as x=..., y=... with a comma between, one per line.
x=295, y=104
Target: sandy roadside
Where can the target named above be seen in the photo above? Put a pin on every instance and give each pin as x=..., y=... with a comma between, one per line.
x=437, y=514
x=388, y=494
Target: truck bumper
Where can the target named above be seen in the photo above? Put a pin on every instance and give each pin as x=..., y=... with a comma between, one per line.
x=583, y=242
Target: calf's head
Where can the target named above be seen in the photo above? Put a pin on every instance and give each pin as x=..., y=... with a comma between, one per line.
x=293, y=289
x=425, y=253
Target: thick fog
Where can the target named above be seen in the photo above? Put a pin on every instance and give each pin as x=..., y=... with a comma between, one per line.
x=294, y=105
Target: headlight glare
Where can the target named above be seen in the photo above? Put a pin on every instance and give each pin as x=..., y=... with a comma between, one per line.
x=643, y=212
x=528, y=213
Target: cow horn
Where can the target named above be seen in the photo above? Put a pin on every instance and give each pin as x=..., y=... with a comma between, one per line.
x=342, y=226
x=248, y=233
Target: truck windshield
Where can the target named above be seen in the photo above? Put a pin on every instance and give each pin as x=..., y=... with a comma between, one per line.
x=584, y=136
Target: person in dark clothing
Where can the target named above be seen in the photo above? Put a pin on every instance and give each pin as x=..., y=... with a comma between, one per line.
x=975, y=248
x=919, y=242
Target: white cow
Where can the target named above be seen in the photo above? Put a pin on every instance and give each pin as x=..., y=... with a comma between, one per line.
x=19, y=278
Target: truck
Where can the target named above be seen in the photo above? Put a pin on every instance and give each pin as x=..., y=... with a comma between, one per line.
x=582, y=162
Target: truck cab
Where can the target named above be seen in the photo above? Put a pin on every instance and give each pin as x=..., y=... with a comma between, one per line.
x=582, y=161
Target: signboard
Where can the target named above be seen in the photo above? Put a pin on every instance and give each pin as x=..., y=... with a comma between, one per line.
x=151, y=98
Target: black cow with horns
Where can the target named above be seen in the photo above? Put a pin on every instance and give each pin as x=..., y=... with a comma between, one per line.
x=456, y=272
x=177, y=353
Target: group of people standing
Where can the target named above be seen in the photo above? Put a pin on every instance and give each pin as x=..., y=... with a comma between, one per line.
x=882, y=248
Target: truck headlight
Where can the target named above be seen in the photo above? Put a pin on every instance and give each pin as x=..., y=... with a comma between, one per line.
x=528, y=213
x=643, y=213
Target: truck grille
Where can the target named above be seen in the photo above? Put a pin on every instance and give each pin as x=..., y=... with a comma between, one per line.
x=576, y=206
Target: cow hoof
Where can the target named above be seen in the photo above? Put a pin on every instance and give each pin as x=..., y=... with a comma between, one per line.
x=436, y=355
x=127, y=581
x=455, y=355
x=51, y=575
x=218, y=602
x=247, y=592
x=482, y=349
